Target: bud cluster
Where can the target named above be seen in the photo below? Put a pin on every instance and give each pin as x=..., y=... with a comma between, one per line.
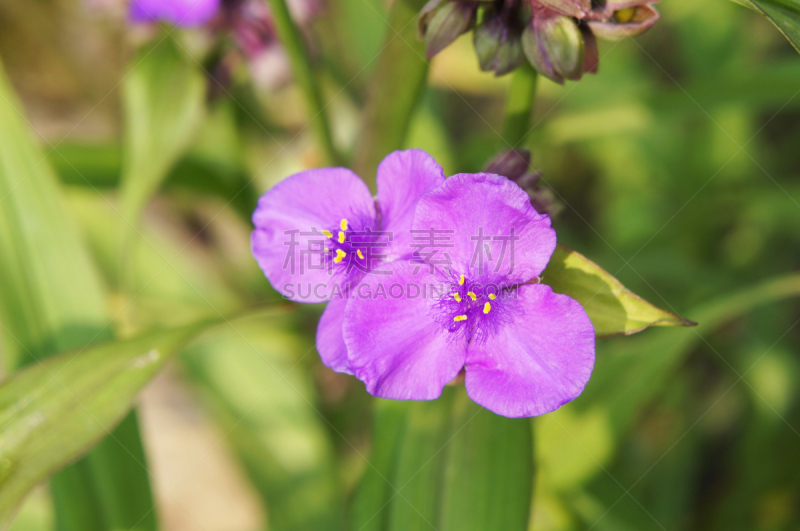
x=558, y=37
x=515, y=165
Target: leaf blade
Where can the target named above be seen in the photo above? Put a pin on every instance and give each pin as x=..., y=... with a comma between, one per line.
x=613, y=309
x=784, y=15
x=56, y=410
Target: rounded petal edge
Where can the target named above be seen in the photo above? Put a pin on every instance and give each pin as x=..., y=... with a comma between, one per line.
x=539, y=361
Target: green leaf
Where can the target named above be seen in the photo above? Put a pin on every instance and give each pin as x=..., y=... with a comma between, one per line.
x=446, y=464
x=613, y=309
x=164, y=102
x=53, y=412
x=51, y=299
x=785, y=15
x=394, y=90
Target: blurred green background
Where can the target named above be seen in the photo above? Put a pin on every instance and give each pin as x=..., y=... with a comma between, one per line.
x=678, y=166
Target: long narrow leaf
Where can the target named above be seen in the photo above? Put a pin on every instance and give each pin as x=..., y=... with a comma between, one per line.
x=54, y=411
x=51, y=299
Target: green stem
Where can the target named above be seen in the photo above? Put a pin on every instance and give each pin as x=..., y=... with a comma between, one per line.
x=394, y=90
x=304, y=75
x=521, y=97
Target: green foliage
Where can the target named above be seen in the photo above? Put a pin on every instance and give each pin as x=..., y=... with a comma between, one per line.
x=447, y=464
x=52, y=300
x=394, y=90
x=785, y=15
x=159, y=128
x=54, y=411
x=677, y=167
x=252, y=376
x=612, y=308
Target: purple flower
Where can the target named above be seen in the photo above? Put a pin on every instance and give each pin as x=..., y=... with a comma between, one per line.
x=177, y=12
x=317, y=233
x=525, y=350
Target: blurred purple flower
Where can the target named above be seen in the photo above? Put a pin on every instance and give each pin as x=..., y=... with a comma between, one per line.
x=525, y=350
x=317, y=233
x=178, y=12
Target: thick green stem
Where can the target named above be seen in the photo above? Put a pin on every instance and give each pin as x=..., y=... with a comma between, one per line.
x=521, y=97
x=292, y=41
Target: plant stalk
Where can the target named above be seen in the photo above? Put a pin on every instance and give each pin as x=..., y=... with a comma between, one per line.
x=519, y=105
x=293, y=43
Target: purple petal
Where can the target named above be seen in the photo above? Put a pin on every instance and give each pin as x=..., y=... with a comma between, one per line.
x=403, y=178
x=485, y=209
x=536, y=363
x=643, y=19
x=177, y=12
x=309, y=202
x=394, y=345
x=330, y=341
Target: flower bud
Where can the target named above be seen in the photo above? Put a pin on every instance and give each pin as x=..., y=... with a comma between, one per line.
x=570, y=8
x=555, y=47
x=591, y=55
x=446, y=24
x=625, y=19
x=498, y=45
x=511, y=164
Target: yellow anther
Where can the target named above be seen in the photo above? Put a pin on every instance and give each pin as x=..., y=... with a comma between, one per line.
x=472, y=296
x=327, y=250
x=343, y=224
x=360, y=254
x=457, y=297
x=341, y=237
x=328, y=234
x=459, y=318
x=624, y=16
x=339, y=256
x=492, y=296
x=461, y=280
x=487, y=307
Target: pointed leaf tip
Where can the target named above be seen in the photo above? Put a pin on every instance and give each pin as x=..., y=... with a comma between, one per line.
x=613, y=309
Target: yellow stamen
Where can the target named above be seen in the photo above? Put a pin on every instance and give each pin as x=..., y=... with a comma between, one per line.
x=487, y=307
x=457, y=297
x=339, y=256
x=472, y=296
x=341, y=237
x=461, y=280
x=343, y=224
x=327, y=250
x=328, y=234
x=360, y=254
x=459, y=318
x=624, y=16
x=492, y=296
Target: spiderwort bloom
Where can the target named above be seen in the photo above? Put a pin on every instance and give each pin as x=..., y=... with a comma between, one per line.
x=317, y=233
x=525, y=350
x=177, y=12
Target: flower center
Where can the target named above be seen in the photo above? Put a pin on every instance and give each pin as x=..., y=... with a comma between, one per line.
x=350, y=247
x=472, y=309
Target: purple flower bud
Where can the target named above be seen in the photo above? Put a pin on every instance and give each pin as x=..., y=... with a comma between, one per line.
x=626, y=20
x=555, y=47
x=512, y=164
x=446, y=24
x=570, y=8
x=591, y=55
x=178, y=12
x=498, y=44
